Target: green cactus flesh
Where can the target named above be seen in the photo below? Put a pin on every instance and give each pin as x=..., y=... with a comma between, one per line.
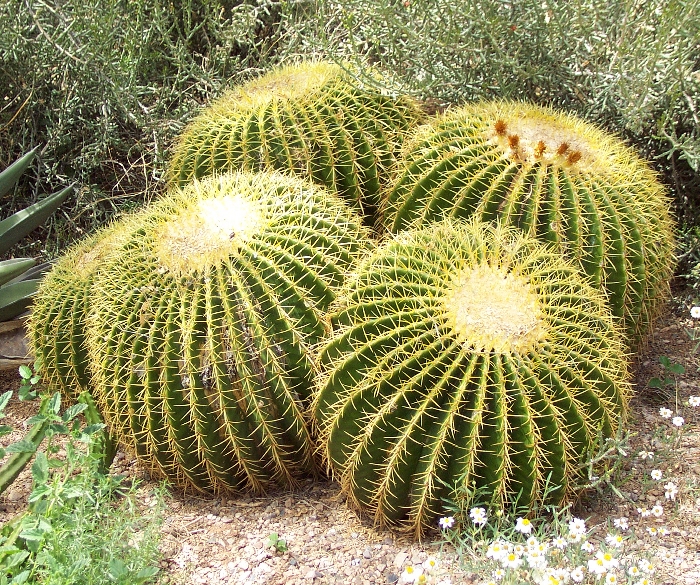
x=201, y=323
x=466, y=354
x=555, y=177
x=56, y=327
x=312, y=120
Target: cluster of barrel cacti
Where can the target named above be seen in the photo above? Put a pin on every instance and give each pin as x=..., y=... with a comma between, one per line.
x=248, y=328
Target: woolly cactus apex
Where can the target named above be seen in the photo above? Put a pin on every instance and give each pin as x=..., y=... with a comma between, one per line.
x=201, y=324
x=311, y=119
x=466, y=354
x=555, y=177
x=56, y=327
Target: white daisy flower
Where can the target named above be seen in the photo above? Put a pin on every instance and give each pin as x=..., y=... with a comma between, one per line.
x=577, y=526
x=523, y=525
x=671, y=490
x=411, y=574
x=615, y=540
x=577, y=575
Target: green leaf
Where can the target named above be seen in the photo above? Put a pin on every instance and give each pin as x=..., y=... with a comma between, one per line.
x=16, y=297
x=4, y=399
x=55, y=403
x=26, y=392
x=72, y=411
x=664, y=361
x=21, y=446
x=35, y=534
x=38, y=493
x=117, y=570
x=40, y=469
x=13, y=267
x=2, y=452
x=92, y=429
x=57, y=429
x=11, y=174
x=655, y=383
x=145, y=574
x=25, y=372
x=36, y=419
x=21, y=578
x=676, y=369
x=15, y=227
x=14, y=560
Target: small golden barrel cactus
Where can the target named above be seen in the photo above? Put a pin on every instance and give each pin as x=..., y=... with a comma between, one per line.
x=201, y=325
x=312, y=119
x=555, y=177
x=466, y=355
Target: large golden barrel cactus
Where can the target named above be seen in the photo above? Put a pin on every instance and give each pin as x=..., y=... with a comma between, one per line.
x=555, y=177
x=466, y=355
x=313, y=119
x=201, y=324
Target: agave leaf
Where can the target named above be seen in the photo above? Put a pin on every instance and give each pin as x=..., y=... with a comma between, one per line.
x=34, y=273
x=16, y=297
x=12, y=173
x=14, y=267
x=15, y=227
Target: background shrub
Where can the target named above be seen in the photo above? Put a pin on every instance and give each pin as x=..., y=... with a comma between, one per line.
x=103, y=86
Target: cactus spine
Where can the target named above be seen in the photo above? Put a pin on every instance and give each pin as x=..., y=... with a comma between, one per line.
x=310, y=119
x=200, y=327
x=555, y=177
x=465, y=352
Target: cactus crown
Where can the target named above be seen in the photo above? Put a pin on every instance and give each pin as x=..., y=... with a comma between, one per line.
x=205, y=231
x=290, y=82
x=492, y=309
x=534, y=135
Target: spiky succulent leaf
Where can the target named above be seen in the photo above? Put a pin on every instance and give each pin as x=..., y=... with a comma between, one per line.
x=15, y=227
x=466, y=353
x=313, y=120
x=17, y=284
x=201, y=325
x=555, y=177
x=10, y=176
x=9, y=269
x=16, y=297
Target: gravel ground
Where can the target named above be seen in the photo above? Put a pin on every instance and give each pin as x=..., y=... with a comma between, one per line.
x=223, y=540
